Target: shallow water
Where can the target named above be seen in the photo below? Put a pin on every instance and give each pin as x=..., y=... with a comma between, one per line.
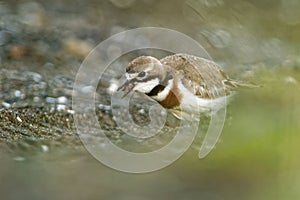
x=41, y=154
x=257, y=158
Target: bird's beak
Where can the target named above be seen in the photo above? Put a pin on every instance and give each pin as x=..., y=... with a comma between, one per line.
x=126, y=87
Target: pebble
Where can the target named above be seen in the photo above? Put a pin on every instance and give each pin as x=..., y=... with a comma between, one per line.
x=52, y=109
x=104, y=107
x=61, y=81
x=19, y=94
x=62, y=100
x=19, y=119
x=72, y=112
x=61, y=107
x=50, y=100
x=36, y=99
x=33, y=76
x=6, y=105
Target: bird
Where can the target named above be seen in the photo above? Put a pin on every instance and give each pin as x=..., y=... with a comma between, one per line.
x=180, y=82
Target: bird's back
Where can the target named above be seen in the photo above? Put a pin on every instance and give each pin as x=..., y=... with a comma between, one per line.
x=202, y=77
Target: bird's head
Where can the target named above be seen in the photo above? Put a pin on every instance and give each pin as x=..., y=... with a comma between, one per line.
x=143, y=74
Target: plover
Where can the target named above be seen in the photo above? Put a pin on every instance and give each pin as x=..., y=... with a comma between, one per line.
x=180, y=81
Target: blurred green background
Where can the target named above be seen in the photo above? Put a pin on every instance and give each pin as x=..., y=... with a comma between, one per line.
x=257, y=155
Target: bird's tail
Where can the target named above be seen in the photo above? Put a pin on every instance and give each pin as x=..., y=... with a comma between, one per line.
x=237, y=84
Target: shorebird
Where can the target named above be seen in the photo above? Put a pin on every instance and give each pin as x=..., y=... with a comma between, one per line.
x=180, y=82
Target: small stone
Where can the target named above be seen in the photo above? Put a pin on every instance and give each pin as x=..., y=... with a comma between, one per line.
x=36, y=99
x=19, y=119
x=61, y=107
x=52, y=109
x=104, y=107
x=33, y=76
x=61, y=81
x=51, y=100
x=72, y=112
x=62, y=100
x=6, y=105
x=19, y=94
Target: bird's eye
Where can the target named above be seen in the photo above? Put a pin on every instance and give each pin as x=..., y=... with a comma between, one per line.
x=142, y=74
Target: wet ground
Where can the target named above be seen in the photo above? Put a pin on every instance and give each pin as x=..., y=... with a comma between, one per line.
x=42, y=45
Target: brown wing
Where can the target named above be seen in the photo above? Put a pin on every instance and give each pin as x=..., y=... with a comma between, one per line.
x=201, y=76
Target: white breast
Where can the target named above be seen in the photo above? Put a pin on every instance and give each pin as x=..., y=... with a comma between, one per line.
x=193, y=103
x=165, y=92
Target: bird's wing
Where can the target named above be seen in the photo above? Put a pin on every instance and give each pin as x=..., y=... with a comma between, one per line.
x=201, y=76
